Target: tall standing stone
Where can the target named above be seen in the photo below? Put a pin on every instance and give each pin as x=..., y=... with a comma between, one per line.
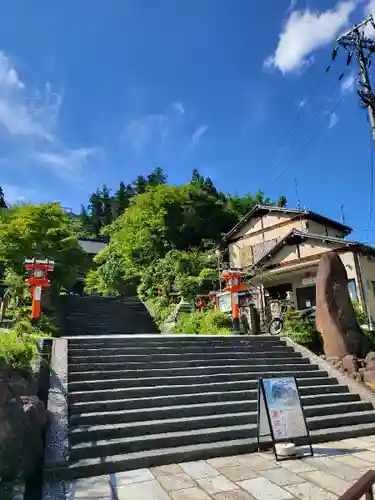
x=335, y=316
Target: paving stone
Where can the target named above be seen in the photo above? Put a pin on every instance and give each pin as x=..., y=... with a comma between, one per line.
x=199, y=469
x=216, y=484
x=174, y=482
x=308, y=491
x=256, y=462
x=262, y=488
x=238, y=472
x=327, y=481
x=233, y=495
x=189, y=494
x=297, y=465
x=353, y=461
x=281, y=476
x=131, y=476
x=151, y=490
x=221, y=462
x=165, y=470
x=338, y=469
x=94, y=488
x=369, y=456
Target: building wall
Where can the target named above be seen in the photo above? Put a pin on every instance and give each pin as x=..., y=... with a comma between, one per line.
x=240, y=250
x=367, y=265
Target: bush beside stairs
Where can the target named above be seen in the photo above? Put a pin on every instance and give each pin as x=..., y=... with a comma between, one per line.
x=140, y=401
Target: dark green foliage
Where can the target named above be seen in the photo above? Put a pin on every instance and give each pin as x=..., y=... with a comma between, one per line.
x=211, y=322
x=300, y=330
x=2, y=199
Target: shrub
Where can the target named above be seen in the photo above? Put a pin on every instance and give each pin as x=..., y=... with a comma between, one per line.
x=362, y=316
x=18, y=351
x=211, y=322
x=302, y=331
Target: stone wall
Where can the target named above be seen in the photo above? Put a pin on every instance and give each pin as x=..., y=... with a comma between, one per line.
x=22, y=419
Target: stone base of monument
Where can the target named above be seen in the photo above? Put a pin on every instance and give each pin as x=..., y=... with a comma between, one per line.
x=286, y=449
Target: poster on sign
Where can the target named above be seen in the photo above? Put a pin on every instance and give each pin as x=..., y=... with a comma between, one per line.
x=279, y=404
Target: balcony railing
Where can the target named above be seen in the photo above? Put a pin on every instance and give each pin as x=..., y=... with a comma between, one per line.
x=363, y=488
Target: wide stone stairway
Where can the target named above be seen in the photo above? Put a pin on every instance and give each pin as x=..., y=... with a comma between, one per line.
x=144, y=400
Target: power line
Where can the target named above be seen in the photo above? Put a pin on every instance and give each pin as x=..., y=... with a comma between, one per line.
x=319, y=132
x=299, y=114
x=311, y=121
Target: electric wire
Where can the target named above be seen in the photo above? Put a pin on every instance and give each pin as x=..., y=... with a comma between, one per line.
x=299, y=114
x=319, y=132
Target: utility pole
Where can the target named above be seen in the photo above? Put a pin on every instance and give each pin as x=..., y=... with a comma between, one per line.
x=355, y=42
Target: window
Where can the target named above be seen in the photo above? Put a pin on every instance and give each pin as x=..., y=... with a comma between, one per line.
x=352, y=288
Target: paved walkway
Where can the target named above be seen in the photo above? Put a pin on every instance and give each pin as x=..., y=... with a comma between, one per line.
x=333, y=469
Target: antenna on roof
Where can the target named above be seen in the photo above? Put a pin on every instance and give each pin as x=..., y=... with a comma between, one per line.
x=298, y=202
x=342, y=214
x=297, y=195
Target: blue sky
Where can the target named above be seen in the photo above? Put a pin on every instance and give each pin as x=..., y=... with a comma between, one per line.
x=95, y=92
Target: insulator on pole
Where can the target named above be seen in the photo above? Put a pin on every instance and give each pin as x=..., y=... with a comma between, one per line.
x=334, y=53
x=328, y=68
x=341, y=76
x=349, y=58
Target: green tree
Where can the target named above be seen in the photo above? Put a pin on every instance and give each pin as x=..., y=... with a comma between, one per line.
x=107, y=206
x=121, y=199
x=41, y=231
x=2, y=199
x=140, y=185
x=96, y=212
x=157, y=177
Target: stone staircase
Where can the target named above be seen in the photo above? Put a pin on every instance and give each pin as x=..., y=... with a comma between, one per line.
x=145, y=400
x=96, y=315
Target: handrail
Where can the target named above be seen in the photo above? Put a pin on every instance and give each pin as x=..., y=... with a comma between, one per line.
x=363, y=487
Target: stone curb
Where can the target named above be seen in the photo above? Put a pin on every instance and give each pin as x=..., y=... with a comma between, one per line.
x=354, y=387
x=56, y=451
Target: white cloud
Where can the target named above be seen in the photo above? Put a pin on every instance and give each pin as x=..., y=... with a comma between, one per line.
x=370, y=9
x=179, y=107
x=29, y=121
x=153, y=127
x=15, y=194
x=66, y=161
x=333, y=119
x=347, y=84
x=196, y=137
x=304, y=32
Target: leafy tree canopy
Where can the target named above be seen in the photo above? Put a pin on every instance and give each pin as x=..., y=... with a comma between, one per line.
x=40, y=231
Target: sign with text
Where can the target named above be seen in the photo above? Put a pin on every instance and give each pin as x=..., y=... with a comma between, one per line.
x=225, y=302
x=280, y=412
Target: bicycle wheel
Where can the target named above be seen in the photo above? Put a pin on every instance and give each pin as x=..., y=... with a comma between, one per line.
x=276, y=326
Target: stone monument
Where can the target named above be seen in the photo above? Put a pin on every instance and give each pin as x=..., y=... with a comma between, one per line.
x=335, y=316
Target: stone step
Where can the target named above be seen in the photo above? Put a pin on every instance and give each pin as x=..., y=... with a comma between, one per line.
x=147, y=349
x=108, y=447
x=90, y=467
x=181, y=411
x=160, y=339
x=160, y=413
x=86, y=367
x=117, y=463
x=287, y=351
x=353, y=418
x=91, y=385
x=308, y=386
x=195, y=371
x=206, y=397
x=96, y=432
